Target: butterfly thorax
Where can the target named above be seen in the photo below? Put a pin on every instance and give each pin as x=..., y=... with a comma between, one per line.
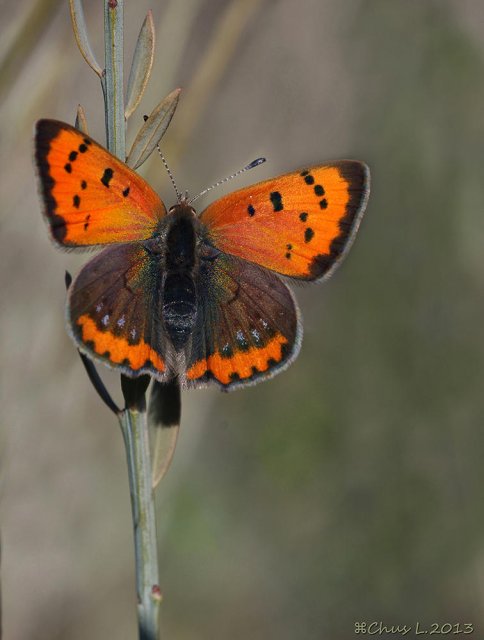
x=179, y=289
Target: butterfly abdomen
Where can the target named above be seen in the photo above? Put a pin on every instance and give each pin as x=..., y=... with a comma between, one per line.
x=179, y=307
x=179, y=290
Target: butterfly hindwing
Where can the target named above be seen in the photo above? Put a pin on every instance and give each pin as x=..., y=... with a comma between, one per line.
x=114, y=311
x=90, y=197
x=248, y=326
x=300, y=224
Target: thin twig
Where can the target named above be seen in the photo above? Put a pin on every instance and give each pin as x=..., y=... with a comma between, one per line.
x=113, y=79
x=134, y=426
x=133, y=420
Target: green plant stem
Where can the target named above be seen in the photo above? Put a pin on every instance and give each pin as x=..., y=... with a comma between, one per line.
x=113, y=85
x=134, y=426
x=133, y=421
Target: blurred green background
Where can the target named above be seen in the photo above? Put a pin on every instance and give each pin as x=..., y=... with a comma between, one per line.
x=350, y=487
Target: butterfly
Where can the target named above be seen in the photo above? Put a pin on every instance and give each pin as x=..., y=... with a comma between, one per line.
x=195, y=296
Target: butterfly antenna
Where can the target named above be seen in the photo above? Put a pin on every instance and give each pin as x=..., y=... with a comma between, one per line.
x=254, y=163
x=178, y=194
x=165, y=163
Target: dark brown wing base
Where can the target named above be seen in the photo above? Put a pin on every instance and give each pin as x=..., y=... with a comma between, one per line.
x=248, y=326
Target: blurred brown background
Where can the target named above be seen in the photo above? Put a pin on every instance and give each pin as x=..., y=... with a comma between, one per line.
x=350, y=487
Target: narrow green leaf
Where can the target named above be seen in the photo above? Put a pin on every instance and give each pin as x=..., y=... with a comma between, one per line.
x=153, y=129
x=164, y=444
x=81, y=122
x=164, y=418
x=141, y=65
x=80, y=31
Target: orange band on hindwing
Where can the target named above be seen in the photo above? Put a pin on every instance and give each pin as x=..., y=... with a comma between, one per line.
x=118, y=350
x=242, y=365
x=109, y=310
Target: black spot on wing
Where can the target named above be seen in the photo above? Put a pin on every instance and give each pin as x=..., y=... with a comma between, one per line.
x=241, y=340
x=319, y=190
x=308, y=234
x=76, y=201
x=126, y=192
x=68, y=167
x=107, y=176
x=323, y=204
x=83, y=185
x=72, y=156
x=82, y=148
x=276, y=200
x=226, y=351
x=250, y=210
x=285, y=348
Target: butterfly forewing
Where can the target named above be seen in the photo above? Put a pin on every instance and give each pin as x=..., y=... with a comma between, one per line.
x=90, y=197
x=247, y=327
x=114, y=311
x=300, y=224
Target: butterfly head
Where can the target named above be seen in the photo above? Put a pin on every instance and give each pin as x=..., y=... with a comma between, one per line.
x=183, y=208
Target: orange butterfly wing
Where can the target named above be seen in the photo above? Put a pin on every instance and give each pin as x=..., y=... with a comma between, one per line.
x=300, y=224
x=90, y=197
